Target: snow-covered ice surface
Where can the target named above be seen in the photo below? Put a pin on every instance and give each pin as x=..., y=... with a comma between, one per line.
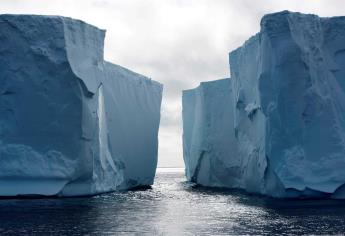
x=277, y=127
x=71, y=123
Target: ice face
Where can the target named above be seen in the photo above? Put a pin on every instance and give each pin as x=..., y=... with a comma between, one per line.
x=71, y=124
x=208, y=134
x=286, y=100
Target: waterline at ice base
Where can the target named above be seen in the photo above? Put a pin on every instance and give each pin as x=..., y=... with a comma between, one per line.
x=277, y=126
x=71, y=123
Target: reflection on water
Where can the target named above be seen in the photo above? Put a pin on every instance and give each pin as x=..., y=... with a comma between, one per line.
x=171, y=207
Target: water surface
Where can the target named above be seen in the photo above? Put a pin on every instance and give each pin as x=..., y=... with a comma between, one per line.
x=171, y=207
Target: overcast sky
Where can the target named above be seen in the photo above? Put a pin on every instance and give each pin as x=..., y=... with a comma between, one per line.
x=176, y=42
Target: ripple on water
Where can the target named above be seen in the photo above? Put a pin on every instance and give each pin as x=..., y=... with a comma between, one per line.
x=171, y=207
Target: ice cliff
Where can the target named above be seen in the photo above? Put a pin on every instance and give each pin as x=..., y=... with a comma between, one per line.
x=71, y=123
x=277, y=127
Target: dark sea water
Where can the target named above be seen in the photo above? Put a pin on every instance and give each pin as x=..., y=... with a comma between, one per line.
x=171, y=207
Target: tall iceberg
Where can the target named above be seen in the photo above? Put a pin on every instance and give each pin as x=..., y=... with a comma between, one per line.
x=71, y=123
x=278, y=125
x=208, y=134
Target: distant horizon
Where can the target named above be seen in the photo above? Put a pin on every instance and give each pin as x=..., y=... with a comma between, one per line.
x=158, y=167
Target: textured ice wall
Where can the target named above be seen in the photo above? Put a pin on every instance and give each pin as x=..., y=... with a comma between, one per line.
x=71, y=123
x=288, y=105
x=208, y=134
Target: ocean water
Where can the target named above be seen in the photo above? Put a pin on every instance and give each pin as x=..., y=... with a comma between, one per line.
x=171, y=207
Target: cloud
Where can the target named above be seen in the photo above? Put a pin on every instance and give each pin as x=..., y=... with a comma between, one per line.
x=177, y=42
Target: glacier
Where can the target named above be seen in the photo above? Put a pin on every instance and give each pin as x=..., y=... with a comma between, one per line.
x=277, y=126
x=71, y=124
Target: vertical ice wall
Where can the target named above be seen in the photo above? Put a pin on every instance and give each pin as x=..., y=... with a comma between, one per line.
x=288, y=106
x=133, y=119
x=70, y=122
x=208, y=134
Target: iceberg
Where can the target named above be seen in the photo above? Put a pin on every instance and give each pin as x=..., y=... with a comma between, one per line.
x=71, y=124
x=208, y=134
x=277, y=127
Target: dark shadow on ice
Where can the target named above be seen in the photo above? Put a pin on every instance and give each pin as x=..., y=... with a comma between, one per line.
x=140, y=188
